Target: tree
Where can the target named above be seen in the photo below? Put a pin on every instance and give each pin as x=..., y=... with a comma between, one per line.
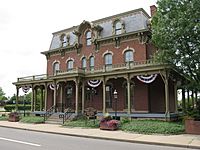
x=176, y=32
x=2, y=94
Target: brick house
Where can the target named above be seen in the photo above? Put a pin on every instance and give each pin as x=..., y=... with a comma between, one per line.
x=88, y=62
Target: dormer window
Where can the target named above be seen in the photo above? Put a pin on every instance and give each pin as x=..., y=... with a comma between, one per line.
x=118, y=28
x=88, y=38
x=63, y=39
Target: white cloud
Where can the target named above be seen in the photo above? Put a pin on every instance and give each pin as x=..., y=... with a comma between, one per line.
x=26, y=27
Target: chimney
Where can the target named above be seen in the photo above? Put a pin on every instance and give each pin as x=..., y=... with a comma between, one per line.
x=153, y=10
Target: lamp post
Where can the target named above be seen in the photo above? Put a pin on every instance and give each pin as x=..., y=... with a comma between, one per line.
x=24, y=104
x=91, y=92
x=115, y=97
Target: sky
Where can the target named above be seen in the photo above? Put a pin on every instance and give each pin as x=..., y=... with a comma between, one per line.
x=26, y=28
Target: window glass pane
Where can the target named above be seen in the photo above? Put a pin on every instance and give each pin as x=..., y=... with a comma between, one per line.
x=128, y=56
x=88, y=38
x=118, y=25
x=91, y=61
x=88, y=35
x=108, y=59
x=56, y=67
x=84, y=62
x=70, y=65
x=118, y=28
x=117, y=32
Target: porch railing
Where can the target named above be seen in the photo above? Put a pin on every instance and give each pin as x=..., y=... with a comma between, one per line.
x=49, y=112
x=104, y=68
x=35, y=77
x=67, y=114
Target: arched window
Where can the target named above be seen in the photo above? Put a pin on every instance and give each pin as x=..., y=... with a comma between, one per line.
x=56, y=67
x=88, y=38
x=118, y=27
x=108, y=59
x=92, y=63
x=70, y=65
x=64, y=40
x=129, y=56
x=84, y=65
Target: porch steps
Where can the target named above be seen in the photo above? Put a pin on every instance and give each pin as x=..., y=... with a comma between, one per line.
x=54, y=119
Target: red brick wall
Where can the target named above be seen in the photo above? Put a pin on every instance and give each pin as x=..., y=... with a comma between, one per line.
x=118, y=58
x=157, y=95
x=140, y=96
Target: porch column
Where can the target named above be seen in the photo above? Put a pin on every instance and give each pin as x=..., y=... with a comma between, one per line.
x=176, y=98
x=35, y=99
x=83, y=96
x=77, y=95
x=32, y=99
x=55, y=93
x=41, y=99
x=167, y=111
x=104, y=97
x=17, y=98
x=183, y=100
x=61, y=97
x=45, y=96
x=129, y=95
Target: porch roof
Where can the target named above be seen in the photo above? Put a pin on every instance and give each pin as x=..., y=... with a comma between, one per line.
x=134, y=68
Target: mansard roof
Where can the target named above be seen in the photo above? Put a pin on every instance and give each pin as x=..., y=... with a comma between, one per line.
x=135, y=20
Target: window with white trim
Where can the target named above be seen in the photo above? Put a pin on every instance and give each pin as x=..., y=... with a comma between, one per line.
x=88, y=38
x=91, y=62
x=70, y=65
x=118, y=28
x=128, y=56
x=56, y=67
x=64, y=40
x=108, y=59
x=84, y=64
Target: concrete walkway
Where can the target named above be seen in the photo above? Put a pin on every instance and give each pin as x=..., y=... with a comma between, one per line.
x=183, y=140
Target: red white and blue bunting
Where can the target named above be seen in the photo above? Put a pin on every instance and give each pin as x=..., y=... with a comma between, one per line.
x=94, y=83
x=25, y=89
x=147, y=79
x=52, y=86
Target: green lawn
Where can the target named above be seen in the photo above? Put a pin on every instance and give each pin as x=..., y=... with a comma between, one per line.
x=3, y=118
x=82, y=123
x=32, y=119
x=136, y=126
x=153, y=127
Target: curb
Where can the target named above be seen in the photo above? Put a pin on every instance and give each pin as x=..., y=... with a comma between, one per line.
x=107, y=138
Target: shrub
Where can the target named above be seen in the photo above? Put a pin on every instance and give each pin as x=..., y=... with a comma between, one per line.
x=153, y=126
x=20, y=107
x=32, y=119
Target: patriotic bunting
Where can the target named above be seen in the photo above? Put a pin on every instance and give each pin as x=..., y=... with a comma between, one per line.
x=147, y=79
x=94, y=83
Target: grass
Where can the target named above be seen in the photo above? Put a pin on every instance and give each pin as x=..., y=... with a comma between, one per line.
x=153, y=127
x=32, y=119
x=3, y=118
x=82, y=123
x=135, y=126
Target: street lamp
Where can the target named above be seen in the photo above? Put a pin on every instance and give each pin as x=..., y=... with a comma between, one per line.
x=91, y=92
x=24, y=104
x=115, y=97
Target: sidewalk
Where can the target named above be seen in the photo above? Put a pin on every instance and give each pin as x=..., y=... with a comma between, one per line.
x=183, y=140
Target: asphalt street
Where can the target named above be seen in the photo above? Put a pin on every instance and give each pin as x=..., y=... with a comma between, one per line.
x=29, y=140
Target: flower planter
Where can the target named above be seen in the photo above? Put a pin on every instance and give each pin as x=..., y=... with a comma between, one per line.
x=192, y=126
x=13, y=117
x=108, y=125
